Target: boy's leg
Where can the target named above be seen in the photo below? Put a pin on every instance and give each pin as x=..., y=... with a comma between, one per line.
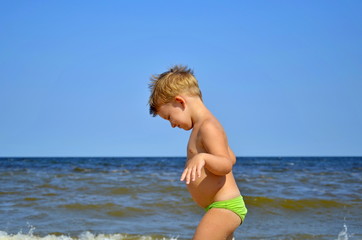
x=217, y=224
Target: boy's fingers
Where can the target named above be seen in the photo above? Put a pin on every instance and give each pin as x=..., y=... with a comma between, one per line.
x=188, y=176
x=199, y=171
x=183, y=175
x=193, y=174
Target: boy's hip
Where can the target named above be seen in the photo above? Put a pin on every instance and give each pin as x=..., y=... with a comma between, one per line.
x=236, y=205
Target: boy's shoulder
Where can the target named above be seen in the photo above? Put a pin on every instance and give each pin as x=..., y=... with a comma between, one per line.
x=212, y=137
x=210, y=126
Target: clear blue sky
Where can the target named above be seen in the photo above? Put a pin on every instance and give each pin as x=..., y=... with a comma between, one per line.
x=283, y=77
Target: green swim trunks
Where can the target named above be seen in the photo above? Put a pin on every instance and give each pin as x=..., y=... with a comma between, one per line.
x=236, y=205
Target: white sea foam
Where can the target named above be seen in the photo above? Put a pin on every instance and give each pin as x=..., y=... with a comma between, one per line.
x=83, y=236
x=343, y=235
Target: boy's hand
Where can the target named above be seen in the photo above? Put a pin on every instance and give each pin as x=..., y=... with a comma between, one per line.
x=193, y=167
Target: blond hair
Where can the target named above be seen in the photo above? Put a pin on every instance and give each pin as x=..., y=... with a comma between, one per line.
x=164, y=87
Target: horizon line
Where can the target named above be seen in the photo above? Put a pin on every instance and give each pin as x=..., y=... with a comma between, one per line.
x=245, y=156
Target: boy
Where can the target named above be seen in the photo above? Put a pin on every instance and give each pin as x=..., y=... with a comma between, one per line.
x=176, y=97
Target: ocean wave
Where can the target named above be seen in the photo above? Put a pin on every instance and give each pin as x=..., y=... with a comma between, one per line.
x=83, y=236
x=129, y=212
x=295, y=204
x=119, y=190
x=80, y=206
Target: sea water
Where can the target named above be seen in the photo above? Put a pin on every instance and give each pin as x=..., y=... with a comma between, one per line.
x=142, y=198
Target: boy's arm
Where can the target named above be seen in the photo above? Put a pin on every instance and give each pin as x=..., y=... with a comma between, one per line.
x=216, y=158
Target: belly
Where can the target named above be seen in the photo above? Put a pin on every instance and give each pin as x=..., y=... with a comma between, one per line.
x=204, y=189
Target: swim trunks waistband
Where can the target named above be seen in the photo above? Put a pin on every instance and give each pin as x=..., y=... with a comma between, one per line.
x=235, y=205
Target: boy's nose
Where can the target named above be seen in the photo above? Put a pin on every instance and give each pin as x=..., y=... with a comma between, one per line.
x=173, y=125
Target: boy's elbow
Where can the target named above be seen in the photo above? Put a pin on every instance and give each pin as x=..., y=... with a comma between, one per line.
x=227, y=168
x=223, y=167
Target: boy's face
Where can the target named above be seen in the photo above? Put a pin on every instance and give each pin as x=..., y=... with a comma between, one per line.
x=176, y=113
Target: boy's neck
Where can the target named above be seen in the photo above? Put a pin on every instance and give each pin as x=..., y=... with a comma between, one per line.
x=198, y=110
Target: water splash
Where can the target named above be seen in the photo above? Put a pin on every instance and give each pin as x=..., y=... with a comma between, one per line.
x=83, y=236
x=343, y=235
x=31, y=229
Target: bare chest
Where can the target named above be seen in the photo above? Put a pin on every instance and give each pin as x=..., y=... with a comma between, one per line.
x=194, y=145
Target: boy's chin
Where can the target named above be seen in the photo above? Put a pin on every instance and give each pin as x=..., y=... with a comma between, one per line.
x=188, y=128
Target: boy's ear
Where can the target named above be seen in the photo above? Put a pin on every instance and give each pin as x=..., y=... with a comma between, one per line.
x=180, y=100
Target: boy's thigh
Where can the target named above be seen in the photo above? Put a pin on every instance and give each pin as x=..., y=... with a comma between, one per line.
x=217, y=224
